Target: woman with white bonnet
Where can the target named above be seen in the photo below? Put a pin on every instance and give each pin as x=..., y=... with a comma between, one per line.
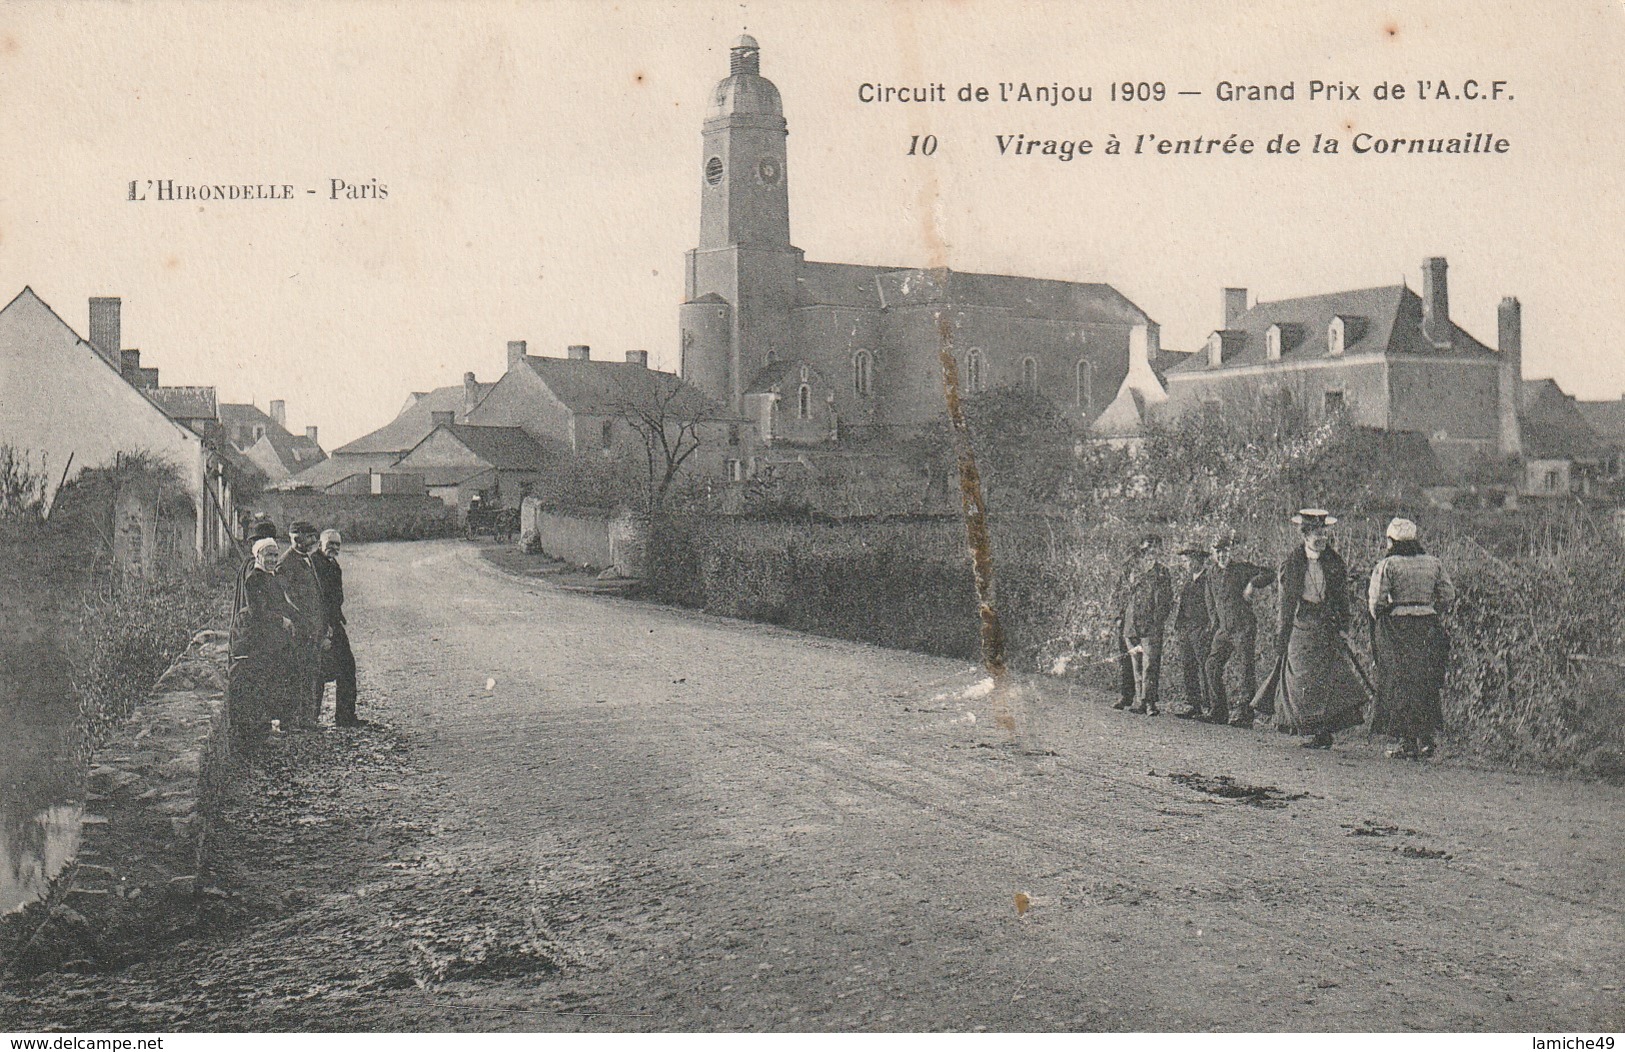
x=1315, y=689
x=259, y=686
x=1409, y=590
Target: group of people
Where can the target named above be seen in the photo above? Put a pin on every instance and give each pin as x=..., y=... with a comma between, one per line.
x=1317, y=686
x=288, y=635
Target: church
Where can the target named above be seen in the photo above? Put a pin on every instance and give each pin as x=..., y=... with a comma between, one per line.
x=841, y=355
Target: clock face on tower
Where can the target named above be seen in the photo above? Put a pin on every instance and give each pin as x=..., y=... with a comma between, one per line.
x=767, y=169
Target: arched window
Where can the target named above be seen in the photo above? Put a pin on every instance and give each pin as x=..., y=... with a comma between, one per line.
x=1085, y=384
x=860, y=373
x=607, y=434
x=804, y=402
x=1029, y=375
x=974, y=378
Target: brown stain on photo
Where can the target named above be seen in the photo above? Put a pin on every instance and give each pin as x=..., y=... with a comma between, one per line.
x=172, y=262
x=1391, y=29
x=9, y=45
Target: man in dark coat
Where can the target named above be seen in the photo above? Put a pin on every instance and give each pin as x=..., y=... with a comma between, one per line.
x=1194, y=632
x=338, y=660
x=1230, y=587
x=1147, y=602
x=297, y=573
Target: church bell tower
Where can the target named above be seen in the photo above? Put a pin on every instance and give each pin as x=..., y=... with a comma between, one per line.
x=741, y=279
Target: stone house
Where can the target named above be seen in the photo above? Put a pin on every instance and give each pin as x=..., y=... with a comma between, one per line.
x=72, y=403
x=1387, y=357
x=456, y=462
x=265, y=441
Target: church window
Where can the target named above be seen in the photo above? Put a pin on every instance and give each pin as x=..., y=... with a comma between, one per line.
x=607, y=436
x=713, y=171
x=860, y=373
x=1029, y=375
x=804, y=402
x=974, y=378
x=1084, y=394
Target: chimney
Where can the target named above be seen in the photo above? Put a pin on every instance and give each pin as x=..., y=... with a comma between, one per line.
x=1509, y=339
x=129, y=367
x=441, y=417
x=279, y=412
x=1235, y=305
x=147, y=379
x=105, y=331
x=1435, y=302
x=471, y=389
x=579, y=352
x=516, y=354
x=310, y=433
x=638, y=358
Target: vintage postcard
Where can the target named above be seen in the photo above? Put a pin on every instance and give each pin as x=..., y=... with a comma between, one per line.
x=898, y=516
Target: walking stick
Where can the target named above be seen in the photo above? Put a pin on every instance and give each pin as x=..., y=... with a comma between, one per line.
x=1371, y=692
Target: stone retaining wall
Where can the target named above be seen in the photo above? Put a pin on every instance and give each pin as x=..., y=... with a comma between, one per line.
x=600, y=541
x=153, y=794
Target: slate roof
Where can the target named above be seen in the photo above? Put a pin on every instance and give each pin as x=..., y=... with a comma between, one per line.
x=413, y=423
x=297, y=452
x=508, y=448
x=880, y=288
x=184, y=403
x=1607, y=419
x=1379, y=321
x=605, y=388
x=447, y=474
x=338, y=468
x=1552, y=425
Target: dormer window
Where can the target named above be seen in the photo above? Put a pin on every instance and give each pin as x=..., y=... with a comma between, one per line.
x=1335, y=334
x=1272, y=343
x=1215, y=351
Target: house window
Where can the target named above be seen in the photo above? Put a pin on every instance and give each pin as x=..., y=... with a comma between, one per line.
x=1334, y=403
x=860, y=373
x=1554, y=481
x=259, y=432
x=607, y=434
x=1085, y=383
x=973, y=371
x=1029, y=375
x=736, y=471
x=733, y=434
x=804, y=402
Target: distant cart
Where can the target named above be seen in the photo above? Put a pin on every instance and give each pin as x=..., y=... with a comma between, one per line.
x=490, y=520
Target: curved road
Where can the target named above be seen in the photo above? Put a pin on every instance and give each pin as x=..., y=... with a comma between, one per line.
x=612, y=815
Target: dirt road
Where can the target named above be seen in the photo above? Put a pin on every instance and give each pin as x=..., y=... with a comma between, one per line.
x=589, y=813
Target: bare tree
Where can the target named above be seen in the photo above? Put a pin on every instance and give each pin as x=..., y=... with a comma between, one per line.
x=665, y=414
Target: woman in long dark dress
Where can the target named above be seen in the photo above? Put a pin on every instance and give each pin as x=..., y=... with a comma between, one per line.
x=258, y=684
x=1315, y=689
x=1409, y=590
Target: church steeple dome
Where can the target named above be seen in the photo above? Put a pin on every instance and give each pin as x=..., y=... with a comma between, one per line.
x=745, y=90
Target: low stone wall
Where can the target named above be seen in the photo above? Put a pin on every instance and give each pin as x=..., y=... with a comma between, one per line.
x=153, y=794
x=597, y=540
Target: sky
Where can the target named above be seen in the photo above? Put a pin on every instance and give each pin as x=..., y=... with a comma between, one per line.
x=543, y=162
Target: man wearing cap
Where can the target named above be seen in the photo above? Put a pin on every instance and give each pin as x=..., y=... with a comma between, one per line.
x=297, y=573
x=1228, y=598
x=1194, y=631
x=1148, y=599
x=338, y=660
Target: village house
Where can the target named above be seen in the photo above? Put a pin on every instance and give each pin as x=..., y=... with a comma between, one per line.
x=1386, y=357
x=1563, y=455
x=70, y=404
x=265, y=441
x=457, y=462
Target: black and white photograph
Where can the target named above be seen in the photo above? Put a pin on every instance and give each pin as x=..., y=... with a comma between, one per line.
x=870, y=516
